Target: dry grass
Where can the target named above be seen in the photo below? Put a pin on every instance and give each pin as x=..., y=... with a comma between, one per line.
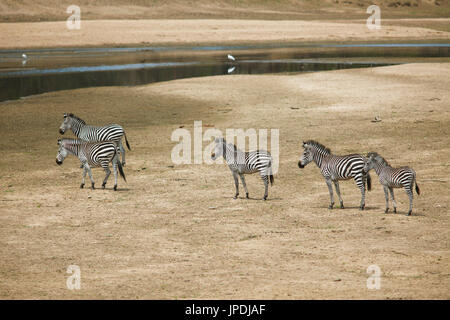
x=158, y=237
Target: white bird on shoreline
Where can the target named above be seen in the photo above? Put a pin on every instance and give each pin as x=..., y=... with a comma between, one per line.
x=231, y=57
x=24, y=56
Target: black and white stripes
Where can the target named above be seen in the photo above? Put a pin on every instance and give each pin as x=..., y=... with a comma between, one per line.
x=241, y=163
x=335, y=168
x=403, y=177
x=91, y=154
x=112, y=132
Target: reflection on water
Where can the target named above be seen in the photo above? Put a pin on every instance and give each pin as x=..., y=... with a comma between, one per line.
x=23, y=83
x=46, y=70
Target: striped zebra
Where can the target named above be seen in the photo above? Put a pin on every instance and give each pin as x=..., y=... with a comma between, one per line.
x=241, y=163
x=92, y=154
x=335, y=168
x=112, y=132
x=390, y=178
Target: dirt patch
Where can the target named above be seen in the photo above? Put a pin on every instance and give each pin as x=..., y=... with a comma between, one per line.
x=174, y=231
x=194, y=32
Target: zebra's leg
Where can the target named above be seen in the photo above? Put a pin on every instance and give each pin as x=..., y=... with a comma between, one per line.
x=391, y=190
x=244, y=184
x=236, y=183
x=265, y=179
x=88, y=169
x=360, y=182
x=122, y=151
x=84, y=176
x=114, y=163
x=338, y=191
x=409, y=192
x=386, y=196
x=330, y=188
x=108, y=172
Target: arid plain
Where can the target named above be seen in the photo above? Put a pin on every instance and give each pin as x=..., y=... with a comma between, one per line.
x=174, y=231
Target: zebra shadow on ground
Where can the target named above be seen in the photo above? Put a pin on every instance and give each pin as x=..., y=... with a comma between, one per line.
x=252, y=198
x=118, y=189
x=337, y=208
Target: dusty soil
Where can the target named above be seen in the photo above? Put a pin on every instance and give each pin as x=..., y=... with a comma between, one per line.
x=174, y=231
x=54, y=10
x=194, y=32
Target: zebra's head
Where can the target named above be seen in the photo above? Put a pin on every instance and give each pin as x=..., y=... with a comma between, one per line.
x=306, y=157
x=373, y=159
x=218, y=149
x=65, y=125
x=62, y=153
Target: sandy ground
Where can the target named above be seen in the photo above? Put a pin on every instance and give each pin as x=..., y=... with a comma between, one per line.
x=175, y=232
x=194, y=32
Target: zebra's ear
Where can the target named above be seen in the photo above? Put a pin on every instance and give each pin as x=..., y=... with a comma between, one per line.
x=65, y=115
x=59, y=142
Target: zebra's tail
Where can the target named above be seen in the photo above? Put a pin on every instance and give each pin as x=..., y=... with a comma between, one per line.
x=126, y=141
x=417, y=188
x=369, y=182
x=119, y=165
x=270, y=173
x=122, y=174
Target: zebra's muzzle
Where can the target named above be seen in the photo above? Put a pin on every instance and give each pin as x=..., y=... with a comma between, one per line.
x=58, y=162
x=300, y=165
x=213, y=156
x=61, y=131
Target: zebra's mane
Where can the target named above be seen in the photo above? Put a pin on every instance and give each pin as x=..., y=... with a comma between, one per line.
x=70, y=141
x=318, y=145
x=378, y=158
x=76, y=118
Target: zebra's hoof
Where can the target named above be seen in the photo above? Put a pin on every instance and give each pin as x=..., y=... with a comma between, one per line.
x=342, y=206
x=103, y=185
x=361, y=208
x=235, y=197
x=387, y=210
x=246, y=195
x=115, y=188
x=82, y=186
x=409, y=213
x=395, y=210
x=92, y=187
x=264, y=198
x=330, y=207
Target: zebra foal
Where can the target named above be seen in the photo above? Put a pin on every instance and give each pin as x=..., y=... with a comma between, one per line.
x=390, y=178
x=335, y=168
x=91, y=154
x=241, y=163
x=111, y=132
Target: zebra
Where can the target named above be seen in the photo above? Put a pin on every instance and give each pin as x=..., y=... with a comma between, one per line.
x=335, y=168
x=92, y=154
x=392, y=178
x=241, y=163
x=112, y=132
